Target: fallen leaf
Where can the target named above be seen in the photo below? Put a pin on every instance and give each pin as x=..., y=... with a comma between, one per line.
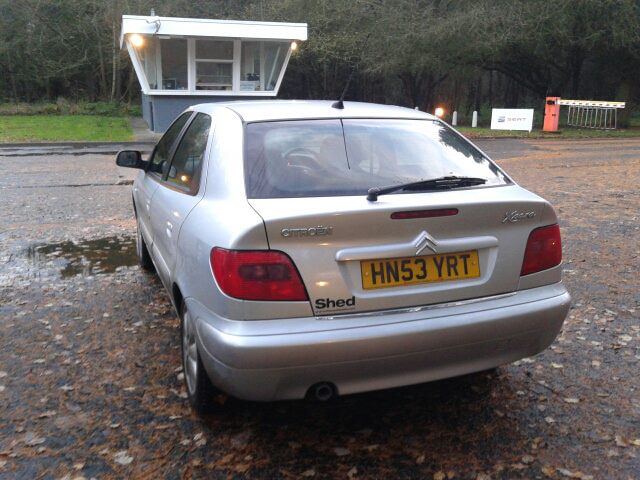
x=568, y=473
x=122, y=458
x=636, y=442
x=242, y=467
x=548, y=470
x=572, y=400
x=440, y=475
x=31, y=439
x=420, y=460
x=621, y=442
x=226, y=459
x=182, y=394
x=557, y=365
x=352, y=473
x=308, y=473
x=200, y=440
x=527, y=459
x=549, y=420
x=341, y=452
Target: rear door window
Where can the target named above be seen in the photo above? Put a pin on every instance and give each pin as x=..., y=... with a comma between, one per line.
x=310, y=158
x=186, y=165
x=293, y=159
x=159, y=163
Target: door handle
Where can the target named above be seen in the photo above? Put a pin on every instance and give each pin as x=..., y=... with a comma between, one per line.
x=169, y=229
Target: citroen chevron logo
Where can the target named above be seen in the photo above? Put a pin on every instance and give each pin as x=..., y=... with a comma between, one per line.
x=425, y=240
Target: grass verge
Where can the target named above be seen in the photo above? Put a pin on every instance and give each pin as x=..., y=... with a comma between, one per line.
x=61, y=128
x=62, y=107
x=561, y=134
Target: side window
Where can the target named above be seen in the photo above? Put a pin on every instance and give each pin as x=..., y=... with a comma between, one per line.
x=160, y=160
x=185, y=168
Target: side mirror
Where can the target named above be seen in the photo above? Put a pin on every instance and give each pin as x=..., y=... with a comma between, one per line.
x=130, y=159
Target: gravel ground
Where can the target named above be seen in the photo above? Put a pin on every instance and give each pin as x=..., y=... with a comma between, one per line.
x=90, y=381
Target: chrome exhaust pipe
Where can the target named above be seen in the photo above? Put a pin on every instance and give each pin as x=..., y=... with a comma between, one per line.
x=322, y=392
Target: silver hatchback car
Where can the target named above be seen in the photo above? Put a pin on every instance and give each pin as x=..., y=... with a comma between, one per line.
x=313, y=251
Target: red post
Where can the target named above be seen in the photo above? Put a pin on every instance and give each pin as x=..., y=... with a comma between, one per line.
x=551, y=114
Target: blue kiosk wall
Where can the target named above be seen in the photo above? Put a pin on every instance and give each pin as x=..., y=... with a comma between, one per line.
x=159, y=111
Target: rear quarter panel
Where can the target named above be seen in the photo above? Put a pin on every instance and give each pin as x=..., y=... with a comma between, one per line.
x=224, y=219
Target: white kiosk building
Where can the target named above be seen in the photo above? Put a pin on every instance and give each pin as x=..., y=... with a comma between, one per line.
x=184, y=61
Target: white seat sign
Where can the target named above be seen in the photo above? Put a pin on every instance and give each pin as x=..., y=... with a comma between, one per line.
x=512, y=119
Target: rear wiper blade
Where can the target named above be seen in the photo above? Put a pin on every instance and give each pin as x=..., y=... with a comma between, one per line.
x=440, y=183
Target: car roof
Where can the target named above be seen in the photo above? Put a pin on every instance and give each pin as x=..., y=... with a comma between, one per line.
x=265, y=110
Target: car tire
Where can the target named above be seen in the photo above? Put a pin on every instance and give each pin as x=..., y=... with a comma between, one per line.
x=144, y=258
x=200, y=391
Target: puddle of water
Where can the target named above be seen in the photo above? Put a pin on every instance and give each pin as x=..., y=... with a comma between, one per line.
x=91, y=257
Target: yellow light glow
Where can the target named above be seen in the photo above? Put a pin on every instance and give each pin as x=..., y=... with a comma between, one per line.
x=184, y=178
x=439, y=112
x=294, y=46
x=322, y=284
x=136, y=40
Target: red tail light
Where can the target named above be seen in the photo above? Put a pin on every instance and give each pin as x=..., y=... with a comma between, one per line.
x=544, y=250
x=257, y=275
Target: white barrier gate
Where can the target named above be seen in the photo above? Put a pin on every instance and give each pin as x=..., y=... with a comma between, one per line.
x=596, y=114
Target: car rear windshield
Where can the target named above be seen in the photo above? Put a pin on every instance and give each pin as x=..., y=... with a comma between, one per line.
x=313, y=158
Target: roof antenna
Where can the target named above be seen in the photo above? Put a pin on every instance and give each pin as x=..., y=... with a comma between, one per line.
x=340, y=104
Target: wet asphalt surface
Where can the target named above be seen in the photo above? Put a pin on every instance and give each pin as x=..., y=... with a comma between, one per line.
x=90, y=380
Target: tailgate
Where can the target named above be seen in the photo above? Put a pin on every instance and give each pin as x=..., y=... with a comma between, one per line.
x=354, y=257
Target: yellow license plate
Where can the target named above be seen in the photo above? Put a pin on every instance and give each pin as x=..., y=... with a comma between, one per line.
x=396, y=272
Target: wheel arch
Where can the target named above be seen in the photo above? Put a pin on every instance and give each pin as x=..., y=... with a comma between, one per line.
x=177, y=297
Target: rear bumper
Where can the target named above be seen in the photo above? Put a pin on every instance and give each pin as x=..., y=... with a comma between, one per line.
x=368, y=352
